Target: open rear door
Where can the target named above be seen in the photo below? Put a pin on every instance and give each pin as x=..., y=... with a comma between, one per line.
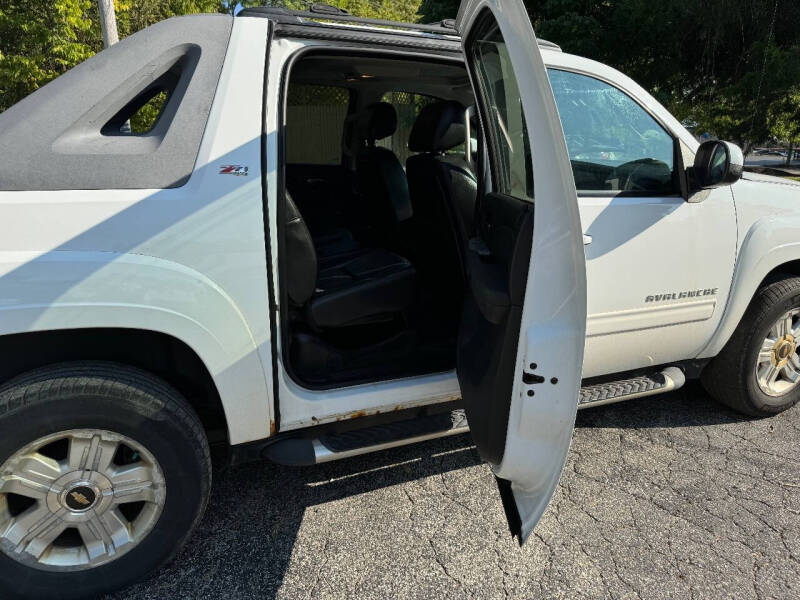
x=520, y=349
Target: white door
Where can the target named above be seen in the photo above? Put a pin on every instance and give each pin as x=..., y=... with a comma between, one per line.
x=523, y=325
x=658, y=267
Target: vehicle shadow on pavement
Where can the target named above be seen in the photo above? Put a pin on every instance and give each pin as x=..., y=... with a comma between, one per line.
x=245, y=543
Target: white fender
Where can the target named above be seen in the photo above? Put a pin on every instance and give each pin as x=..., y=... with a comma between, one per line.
x=73, y=290
x=770, y=242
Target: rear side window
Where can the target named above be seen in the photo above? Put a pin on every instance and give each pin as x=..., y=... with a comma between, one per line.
x=315, y=116
x=613, y=143
x=509, y=143
x=408, y=106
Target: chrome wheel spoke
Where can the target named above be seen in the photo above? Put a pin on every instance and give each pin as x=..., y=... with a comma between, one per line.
x=91, y=453
x=42, y=535
x=104, y=535
x=765, y=353
x=769, y=374
x=784, y=325
x=791, y=373
x=134, y=483
x=22, y=530
x=32, y=476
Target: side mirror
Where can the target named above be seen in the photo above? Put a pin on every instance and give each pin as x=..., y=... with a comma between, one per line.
x=716, y=164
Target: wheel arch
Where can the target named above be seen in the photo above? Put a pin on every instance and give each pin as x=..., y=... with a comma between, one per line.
x=89, y=290
x=770, y=248
x=158, y=353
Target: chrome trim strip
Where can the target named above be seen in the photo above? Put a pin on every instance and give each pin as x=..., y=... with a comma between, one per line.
x=649, y=317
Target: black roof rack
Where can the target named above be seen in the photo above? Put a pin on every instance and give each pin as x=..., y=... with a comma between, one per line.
x=326, y=12
x=319, y=14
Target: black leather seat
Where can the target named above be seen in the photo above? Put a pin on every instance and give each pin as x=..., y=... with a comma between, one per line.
x=381, y=183
x=438, y=179
x=321, y=217
x=443, y=191
x=370, y=286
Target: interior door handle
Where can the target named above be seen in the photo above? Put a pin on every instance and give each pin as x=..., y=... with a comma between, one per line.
x=587, y=239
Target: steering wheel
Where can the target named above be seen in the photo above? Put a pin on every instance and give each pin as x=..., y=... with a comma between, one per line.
x=647, y=170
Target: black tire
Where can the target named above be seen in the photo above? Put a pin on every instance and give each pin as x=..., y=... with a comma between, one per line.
x=730, y=377
x=126, y=401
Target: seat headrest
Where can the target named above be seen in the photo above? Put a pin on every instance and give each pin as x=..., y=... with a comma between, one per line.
x=439, y=127
x=377, y=121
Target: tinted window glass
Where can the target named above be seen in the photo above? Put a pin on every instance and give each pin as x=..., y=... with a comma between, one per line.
x=408, y=106
x=315, y=112
x=613, y=143
x=509, y=153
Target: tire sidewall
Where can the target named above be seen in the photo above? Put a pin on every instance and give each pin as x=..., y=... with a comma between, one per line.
x=155, y=431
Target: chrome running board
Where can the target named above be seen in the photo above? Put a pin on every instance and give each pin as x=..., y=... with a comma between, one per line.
x=297, y=451
x=650, y=384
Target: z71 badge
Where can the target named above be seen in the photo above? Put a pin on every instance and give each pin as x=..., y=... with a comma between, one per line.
x=682, y=295
x=240, y=170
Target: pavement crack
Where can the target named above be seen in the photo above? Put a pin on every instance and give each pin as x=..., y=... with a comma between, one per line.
x=446, y=571
x=318, y=576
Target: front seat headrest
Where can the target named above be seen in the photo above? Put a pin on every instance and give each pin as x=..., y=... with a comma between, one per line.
x=439, y=127
x=378, y=120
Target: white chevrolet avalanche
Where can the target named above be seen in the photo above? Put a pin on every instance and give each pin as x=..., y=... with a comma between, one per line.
x=333, y=236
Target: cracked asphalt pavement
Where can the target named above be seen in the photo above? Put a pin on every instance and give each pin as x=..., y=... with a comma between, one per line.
x=668, y=497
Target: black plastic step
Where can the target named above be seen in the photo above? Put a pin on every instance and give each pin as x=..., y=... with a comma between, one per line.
x=392, y=432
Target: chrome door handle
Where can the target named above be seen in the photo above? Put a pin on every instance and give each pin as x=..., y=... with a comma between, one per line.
x=587, y=239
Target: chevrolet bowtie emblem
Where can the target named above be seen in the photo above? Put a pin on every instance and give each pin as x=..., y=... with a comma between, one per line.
x=80, y=498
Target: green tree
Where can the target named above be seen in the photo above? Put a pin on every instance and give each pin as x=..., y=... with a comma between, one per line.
x=433, y=11
x=134, y=15
x=390, y=10
x=40, y=39
x=718, y=63
x=784, y=120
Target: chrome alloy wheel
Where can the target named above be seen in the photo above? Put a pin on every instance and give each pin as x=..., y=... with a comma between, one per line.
x=778, y=364
x=78, y=499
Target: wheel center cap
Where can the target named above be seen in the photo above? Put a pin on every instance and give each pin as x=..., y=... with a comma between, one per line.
x=783, y=349
x=80, y=498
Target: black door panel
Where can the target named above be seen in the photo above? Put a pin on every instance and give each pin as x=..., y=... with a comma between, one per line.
x=497, y=266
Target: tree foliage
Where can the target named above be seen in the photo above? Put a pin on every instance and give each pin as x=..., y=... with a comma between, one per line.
x=719, y=64
x=730, y=67
x=783, y=120
x=432, y=11
x=390, y=10
x=41, y=39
